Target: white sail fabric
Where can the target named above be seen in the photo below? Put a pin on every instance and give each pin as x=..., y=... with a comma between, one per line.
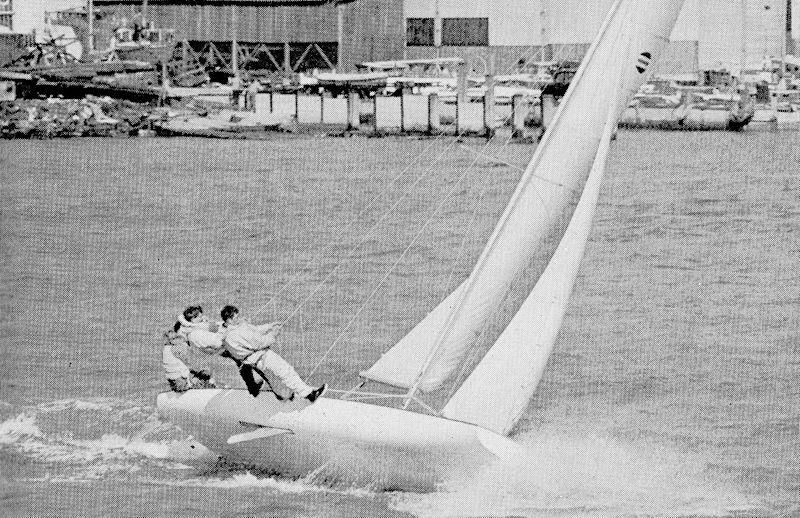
x=400, y=366
x=498, y=390
x=633, y=34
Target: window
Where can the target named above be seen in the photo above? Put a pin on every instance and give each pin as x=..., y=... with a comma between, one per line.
x=465, y=32
x=419, y=31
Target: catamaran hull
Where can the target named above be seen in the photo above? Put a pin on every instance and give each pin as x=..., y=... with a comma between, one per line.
x=337, y=441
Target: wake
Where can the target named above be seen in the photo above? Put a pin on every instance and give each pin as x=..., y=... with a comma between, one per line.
x=76, y=441
x=564, y=475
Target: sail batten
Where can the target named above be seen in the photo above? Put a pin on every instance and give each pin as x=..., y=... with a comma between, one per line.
x=536, y=217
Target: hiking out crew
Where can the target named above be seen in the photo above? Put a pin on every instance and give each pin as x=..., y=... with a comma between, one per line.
x=250, y=345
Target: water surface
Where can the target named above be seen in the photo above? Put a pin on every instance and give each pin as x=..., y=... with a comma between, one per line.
x=673, y=389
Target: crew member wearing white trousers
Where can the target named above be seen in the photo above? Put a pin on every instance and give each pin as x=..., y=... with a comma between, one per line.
x=250, y=344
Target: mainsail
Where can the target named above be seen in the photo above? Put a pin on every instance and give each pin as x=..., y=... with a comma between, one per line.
x=631, y=37
x=515, y=363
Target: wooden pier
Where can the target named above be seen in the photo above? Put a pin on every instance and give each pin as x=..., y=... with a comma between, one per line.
x=404, y=114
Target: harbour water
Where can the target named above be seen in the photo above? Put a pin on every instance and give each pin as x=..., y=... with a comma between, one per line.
x=674, y=389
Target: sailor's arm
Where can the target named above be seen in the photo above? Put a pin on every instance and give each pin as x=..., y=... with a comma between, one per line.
x=272, y=327
x=268, y=333
x=242, y=342
x=206, y=341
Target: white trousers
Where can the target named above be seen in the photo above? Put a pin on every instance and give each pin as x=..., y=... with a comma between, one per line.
x=282, y=378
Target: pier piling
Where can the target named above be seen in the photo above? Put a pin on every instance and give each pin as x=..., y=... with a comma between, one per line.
x=434, y=114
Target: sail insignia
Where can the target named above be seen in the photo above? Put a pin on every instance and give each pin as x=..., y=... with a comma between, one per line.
x=643, y=62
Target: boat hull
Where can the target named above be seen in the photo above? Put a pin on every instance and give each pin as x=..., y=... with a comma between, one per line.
x=685, y=118
x=340, y=442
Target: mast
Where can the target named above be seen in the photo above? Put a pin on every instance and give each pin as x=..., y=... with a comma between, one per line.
x=446, y=330
x=90, y=19
x=743, y=49
x=785, y=41
x=234, y=47
x=515, y=363
x=437, y=28
x=790, y=46
x=538, y=212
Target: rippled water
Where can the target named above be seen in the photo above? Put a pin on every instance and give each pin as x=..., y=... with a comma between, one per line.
x=673, y=391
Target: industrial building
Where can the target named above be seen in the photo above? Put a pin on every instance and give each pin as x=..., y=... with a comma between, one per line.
x=292, y=35
x=709, y=34
x=494, y=35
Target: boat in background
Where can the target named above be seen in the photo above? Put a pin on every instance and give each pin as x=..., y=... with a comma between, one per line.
x=220, y=124
x=670, y=108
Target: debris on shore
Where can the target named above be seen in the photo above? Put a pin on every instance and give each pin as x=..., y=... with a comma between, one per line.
x=90, y=116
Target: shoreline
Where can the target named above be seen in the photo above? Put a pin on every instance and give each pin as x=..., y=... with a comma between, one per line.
x=91, y=116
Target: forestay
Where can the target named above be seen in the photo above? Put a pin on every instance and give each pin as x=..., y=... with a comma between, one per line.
x=632, y=36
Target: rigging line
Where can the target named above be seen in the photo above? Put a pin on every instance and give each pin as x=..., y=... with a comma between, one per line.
x=366, y=237
x=461, y=249
x=462, y=298
x=392, y=268
x=338, y=238
x=446, y=330
x=447, y=149
x=473, y=349
x=491, y=157
x=473, y=217
x=439, y=136
x=199, y=228
x=518, y=168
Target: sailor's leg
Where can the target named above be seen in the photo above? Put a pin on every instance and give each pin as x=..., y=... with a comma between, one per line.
x=202, y=379
x=179, y=384
x=253, y=386
x=281, y=376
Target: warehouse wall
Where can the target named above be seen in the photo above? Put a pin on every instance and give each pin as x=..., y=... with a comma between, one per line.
x=715, y=25
x=722, y=43
x=372, y=30
x=796, y=25
x=253, y=23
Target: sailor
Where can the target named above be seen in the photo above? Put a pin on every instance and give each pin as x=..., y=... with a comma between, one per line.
x=191, y=329
x=203, y=334
x=250, y=95
x=179, y=376
x=206, y=336
x=250, y=345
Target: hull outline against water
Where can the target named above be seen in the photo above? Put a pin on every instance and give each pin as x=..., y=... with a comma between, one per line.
x=336, y=440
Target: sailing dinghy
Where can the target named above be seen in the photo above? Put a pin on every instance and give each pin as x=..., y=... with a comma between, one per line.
x=538, y=243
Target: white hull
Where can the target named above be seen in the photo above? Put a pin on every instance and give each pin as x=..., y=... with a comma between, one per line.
x=338, y=441
x=681, y=118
